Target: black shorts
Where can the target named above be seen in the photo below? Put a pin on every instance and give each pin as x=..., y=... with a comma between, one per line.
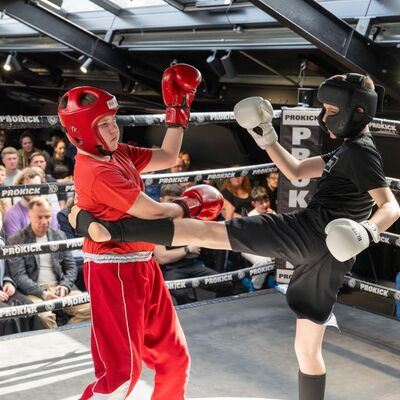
x=317, y=276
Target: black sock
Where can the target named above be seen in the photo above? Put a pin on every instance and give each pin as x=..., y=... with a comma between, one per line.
x=311, y=387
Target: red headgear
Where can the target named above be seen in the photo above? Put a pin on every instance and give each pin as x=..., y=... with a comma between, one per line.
x=80, y=120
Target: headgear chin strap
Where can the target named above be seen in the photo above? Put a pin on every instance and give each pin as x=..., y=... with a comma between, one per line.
x=348, y=95
x=80, y=120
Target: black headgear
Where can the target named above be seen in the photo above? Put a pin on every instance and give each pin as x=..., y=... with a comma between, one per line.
x=347, y=95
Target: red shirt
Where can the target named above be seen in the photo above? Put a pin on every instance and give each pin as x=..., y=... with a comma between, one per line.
x=107, y=189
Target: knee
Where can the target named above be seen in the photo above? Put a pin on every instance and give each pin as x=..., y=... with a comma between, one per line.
x=305, y=350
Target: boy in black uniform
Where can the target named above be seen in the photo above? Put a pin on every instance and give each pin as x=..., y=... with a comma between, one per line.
x=320, y=241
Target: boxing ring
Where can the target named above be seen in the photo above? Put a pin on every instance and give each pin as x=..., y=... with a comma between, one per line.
x=241, y=347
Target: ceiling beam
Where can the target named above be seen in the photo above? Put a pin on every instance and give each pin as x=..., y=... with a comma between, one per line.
x=108, y=6
x=176, y=4
x=335, y=38
x=81, y=40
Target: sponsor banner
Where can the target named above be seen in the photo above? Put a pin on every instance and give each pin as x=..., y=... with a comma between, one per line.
x=372, y=288
x=211, y=280
x=385, y=126
x=40, y=248
x=153, y=179
x=211, y=174
x=300, y=135
x=283, y=275
x=52, y=305
x=390, y=238
x=36, y=190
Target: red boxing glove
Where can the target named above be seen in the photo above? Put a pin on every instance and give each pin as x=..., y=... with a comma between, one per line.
x=179, y=84
x=202, y=202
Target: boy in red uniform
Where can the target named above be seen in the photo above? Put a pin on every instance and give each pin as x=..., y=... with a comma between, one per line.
x=133, y=318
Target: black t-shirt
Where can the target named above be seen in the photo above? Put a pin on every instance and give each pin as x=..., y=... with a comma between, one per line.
x=242, y=206
x=62, y=168
x=350, y=171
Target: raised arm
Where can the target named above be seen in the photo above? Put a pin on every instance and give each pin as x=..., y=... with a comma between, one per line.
x=179, y=84
x=255, y=115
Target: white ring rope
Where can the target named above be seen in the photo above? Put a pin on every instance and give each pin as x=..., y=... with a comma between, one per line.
x=156, y=179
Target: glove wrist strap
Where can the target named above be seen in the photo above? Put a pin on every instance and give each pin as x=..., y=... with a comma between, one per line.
x=372, y=230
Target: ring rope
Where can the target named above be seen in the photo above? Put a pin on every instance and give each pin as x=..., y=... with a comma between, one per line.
x=199, y=118
x=153, y=179
x=149, y=179
x=27, y=310
x=52, y=121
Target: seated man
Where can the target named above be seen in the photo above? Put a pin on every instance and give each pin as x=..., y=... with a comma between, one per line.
x=45, y=276
x=10, y=297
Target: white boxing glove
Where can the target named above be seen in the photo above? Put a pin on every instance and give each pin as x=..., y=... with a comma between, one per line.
x=255, y=114
x=347, y=238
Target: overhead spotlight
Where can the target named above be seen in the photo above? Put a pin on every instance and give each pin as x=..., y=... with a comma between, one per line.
x=7, y=65
x=227, y=62
x=12, y=63
x=215, y=64
x=86, y=65
x=57, y=4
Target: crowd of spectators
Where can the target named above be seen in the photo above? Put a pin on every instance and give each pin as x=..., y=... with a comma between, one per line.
x=27, y=279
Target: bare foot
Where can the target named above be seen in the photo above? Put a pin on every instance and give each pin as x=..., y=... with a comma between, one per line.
x=98, y=232
x=72, y=216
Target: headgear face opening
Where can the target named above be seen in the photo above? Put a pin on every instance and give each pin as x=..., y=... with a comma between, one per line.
x=80, y=120
x=348, y=95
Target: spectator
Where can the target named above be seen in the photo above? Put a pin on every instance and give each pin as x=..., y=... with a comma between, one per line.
x=46, y=276
x=10, y=297
x=185, y=157
x=5, y=202
x=183, y=262
x=260, y=201
x=261, y=204
x=16, y=217
x=65, y=226
x=179, y=167
x=237, y=200
x=2, y=142
x=38, y=159
x=9, y=156
x=26, y=140
x=272, y=188
x=62, y=166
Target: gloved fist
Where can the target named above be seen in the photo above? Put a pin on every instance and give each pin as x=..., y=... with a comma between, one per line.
x=201, y=201
x=255, y=114
x=347, y=238
x=179, y=84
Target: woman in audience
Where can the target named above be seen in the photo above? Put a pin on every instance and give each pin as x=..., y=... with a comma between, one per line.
x=62, y=166
x=237, y=200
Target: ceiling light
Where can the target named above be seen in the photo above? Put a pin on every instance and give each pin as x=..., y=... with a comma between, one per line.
x=7, y=66
x=215, y=64
x=86, y=65
x=227, y=62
